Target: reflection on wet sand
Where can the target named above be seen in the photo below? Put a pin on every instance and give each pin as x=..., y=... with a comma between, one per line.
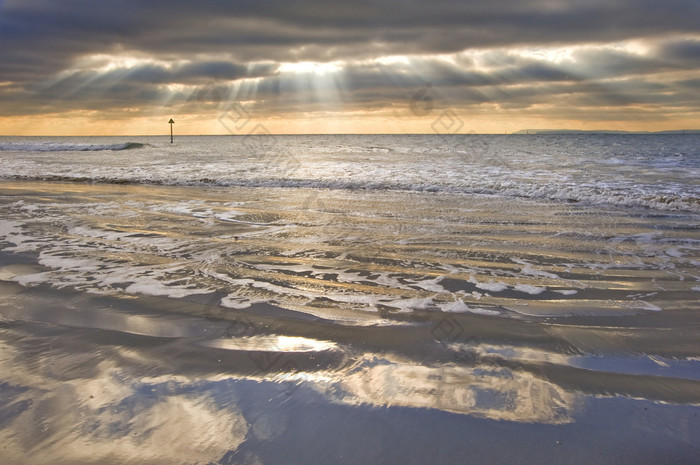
x=482, y=391
x=105, y=393
x=103, y=415
x=67, y=408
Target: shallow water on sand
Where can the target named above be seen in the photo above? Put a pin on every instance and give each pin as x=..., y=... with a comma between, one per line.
x=154, y=324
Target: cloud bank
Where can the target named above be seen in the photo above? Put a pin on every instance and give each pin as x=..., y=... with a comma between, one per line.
x=631, y=63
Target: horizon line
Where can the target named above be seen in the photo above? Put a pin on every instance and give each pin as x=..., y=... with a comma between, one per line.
x=519, y=132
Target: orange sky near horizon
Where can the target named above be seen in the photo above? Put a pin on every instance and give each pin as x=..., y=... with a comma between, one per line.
x=76, y=125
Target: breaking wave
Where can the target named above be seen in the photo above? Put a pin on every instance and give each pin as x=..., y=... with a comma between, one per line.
x=65, y=147
x=569, y=193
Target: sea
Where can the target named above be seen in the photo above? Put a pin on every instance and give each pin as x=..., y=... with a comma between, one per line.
x=320, y=299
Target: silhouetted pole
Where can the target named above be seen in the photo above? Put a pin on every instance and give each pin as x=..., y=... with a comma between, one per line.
x=171, y=122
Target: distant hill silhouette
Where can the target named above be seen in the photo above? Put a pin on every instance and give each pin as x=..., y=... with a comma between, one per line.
x=602, y=131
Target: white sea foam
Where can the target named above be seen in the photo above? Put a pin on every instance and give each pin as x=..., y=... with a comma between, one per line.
x=458, y=306
x=584, y=176
x=530, y=270
x=492, y=286
x=529, y=289
x=9, y=230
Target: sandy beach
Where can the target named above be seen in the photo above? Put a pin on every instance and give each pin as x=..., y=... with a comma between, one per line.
x=147, y=323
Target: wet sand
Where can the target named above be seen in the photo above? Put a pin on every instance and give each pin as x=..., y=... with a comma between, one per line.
x=184, y=325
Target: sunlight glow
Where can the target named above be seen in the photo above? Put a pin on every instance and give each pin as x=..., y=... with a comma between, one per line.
x=105, y=63
x=175, y=87
x=310, y=67
x=393, y=60
x=552, y=55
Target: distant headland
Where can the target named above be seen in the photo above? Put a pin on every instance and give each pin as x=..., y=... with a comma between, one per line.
x=602, y=131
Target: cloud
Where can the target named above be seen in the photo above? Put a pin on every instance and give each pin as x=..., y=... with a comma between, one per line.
x=683, y=50
x=274, y=28
x=71, y=55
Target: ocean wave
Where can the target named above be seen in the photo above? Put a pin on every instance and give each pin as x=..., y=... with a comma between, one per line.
x=66, y=147
x=584, y=195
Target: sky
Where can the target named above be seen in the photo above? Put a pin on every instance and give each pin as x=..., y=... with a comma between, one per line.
x=117, y=67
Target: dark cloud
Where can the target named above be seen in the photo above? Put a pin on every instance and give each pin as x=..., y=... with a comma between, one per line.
x=273, y=28
x=685, y=51
x=689, y=84
x=210, y=44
